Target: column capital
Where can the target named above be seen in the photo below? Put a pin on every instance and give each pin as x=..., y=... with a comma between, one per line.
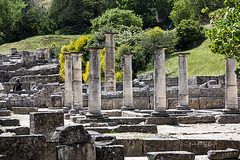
x=127, y=54
x=183, y=54
x=94, y=49
x=159, y=47
x=77, y=53
x=110, y=33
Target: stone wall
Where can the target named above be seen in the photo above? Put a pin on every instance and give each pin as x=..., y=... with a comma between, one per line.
x=32, y=147
x=139, y=147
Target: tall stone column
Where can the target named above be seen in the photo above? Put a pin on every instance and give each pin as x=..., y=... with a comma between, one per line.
x=77, y=80
x=160, y=100
x=231, y=95
x=68, y=80
x=110, y=80
x=127, y=82
x=183, y=82
x=94, y=97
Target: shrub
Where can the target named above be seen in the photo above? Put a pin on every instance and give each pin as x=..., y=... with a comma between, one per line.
x=188, y=32
x=77, y=46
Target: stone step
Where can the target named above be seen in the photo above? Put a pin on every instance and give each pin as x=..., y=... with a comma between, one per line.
x=223, y=154
x=9, y=122
x=171, y=155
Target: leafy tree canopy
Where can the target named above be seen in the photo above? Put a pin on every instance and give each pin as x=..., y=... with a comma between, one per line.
x=116, y=18
x=225, y=36
x=10, y=11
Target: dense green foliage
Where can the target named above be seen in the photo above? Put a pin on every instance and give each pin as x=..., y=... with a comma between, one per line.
x=192, y=9
x=153, y=12
x=188, y=33
x=73, y=16
x=225, y=34
x=116, y=18
x=10, y=11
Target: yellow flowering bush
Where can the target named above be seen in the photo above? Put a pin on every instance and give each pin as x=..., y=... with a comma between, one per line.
x=72, y=47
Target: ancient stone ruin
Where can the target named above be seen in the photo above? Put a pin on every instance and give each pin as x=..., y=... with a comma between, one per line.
x=151, y=117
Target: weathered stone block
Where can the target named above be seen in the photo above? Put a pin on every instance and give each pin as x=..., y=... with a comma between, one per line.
x=5, y=113
x=156, y=145
x=171, y=155
x=223, y=154
x=141, y=103
x=74, y=142
x=195, y=119
x=162, y=120
x=56, y=100
x=102, y=139
x=117, y=103
x=172, y=103
x=24, y=110
x=106, y=104
x=113, y=152
x=132, y=147
x=211, y=102
x=45, y=122
x=137, y=128
x=194, y=103
x=9, y=122
x=228, y=118
x=19, y=130
x=32, y=147
x=197, y=146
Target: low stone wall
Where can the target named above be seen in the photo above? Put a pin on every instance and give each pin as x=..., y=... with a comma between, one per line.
x=38, y=78
x=32, y=147
x=139, y=147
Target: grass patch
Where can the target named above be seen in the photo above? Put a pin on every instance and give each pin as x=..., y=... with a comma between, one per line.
x=33, y=43
x=201, y=62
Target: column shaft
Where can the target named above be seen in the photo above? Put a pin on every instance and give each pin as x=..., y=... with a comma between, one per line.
x=110, y=80
x=94, y=98
x=68, y=80
x=77, y=80
x=127, y=83
x=183, y=82
x=231, y=96
x=160, y=105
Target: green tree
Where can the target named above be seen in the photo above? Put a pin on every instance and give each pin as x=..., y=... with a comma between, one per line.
x=153, y=12
x=73, y=16
x=11, y=14
x=192, y=9
x=188, y=32
x=225, y=34
x=116, y=19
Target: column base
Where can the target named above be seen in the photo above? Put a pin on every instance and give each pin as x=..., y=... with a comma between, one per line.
x=231, y=111
x=94, y=115
x=73, y=111
x=183, y=107
x=77, y=108
x=159, y=114
x=127, y=108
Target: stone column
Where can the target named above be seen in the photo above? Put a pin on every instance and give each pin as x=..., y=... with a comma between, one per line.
x=183, y=82
x=77, y=80
x=110, y=80
x=231, y=96
x=94, y=98
x=160, y=100
x=68, y=80
x=127, y=82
